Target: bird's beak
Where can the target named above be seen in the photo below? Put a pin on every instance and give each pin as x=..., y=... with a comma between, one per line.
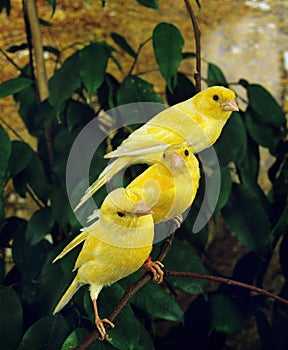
x=176, y=160
x=230, y=105
x=142, y=209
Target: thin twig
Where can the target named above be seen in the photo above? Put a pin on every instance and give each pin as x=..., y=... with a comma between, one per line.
x=8, y=126
x=128, y=295
x=227, y=281
x=9, y=59
x=197, y=35
x=137, y=54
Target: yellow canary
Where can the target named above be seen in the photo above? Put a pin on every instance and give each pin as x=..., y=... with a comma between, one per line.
x=115, y=246
x=198, y=121
x=169, y=187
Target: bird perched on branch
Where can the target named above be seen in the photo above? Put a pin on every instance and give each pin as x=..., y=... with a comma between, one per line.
x=115, y=246
x=198, y=121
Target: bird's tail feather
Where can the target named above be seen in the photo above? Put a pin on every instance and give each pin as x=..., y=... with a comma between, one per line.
x=72, y=289
x=106, y=175
x=77, y=240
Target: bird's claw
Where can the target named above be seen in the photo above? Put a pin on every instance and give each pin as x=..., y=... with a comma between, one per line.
x=156, y=268
x=178, y=220
x=101, y=328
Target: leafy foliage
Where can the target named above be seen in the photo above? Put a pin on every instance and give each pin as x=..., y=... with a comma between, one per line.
x=30, y=291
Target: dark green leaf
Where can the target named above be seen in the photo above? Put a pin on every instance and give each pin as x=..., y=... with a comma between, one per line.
x=93, y=61
x=16, y=48
x=12, y=86
x=226, y=317
x=107, y=92
x=135, y=89
x=167, y=45
x=122, y=42
x=156, y=302
x=282, y=223
x=153, y=4
x=39, y=226
x=29, y=259
x=264, y=330
x=247, y=217
x=44, y=23
x=232, y=144
x=262, y=133
x=188, y=55
x=78, y=114
x=266, y=108
x=5, y=150
x=225, y=189
x=2, y=271
x=11, y=316
x=64, y=82
x=20, y=157
x=5, y=4
x=44, y=114
x=52, y=3
x=182, y=91
x=215, y=75
x=183, y=258
x=47, y=333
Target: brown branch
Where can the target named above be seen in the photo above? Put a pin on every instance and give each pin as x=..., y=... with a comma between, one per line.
x=137, y=55
x=197, y=35
x=33, y=29
x=128, y=294
x=227, y=281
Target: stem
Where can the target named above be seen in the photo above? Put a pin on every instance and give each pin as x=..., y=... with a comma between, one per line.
x=227, y=281
x=137, y=55
x=197, y=35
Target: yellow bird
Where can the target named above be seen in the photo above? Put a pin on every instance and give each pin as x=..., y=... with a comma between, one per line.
x=115, y=246
x=198, y=121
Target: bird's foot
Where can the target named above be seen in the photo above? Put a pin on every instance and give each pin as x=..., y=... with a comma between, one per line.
x=101, y=328
x=156, y=268
x=178, y=220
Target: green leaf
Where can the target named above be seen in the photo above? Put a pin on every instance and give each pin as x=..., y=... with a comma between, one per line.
x=5, y=4
x=156, y=302
x=232, y=144
x=122, y=42
x=167, y=45
x=215, y=75
x=64, y=82
x=135, y=89
x=93, y=61
x=77, y=114
x=188, y=55
x=225, y=189
x=183, y=258
x=47, y=333
x=13, y=86
x=282, y=223
x=39, y=226
x=266, y=109
x=263, y=134
x=35, y=176
x=226, y=317
x=52, y=3
x=182, y=91
x=247, y=217
x=11, y=318
x=107, y=92
x=153, y=4
x=20, y=157
x=5, y=150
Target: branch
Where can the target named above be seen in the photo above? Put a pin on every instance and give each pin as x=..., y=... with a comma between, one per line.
x=137, y=55
x=33, y=29
x=128, y=294
x=197, y=35
x=14, y=64
x=227, y=281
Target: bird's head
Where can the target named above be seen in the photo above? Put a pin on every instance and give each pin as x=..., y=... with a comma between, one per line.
x=216, y=101
x=179, y=156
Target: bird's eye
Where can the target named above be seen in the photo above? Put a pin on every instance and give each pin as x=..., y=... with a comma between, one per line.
x=186, y=152
x=164, y=155
x=215, y=97
x=120, y=214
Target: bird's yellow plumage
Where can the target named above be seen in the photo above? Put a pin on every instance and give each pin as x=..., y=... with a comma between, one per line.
x=198, y=121
x=169, y=187
x=115, y=246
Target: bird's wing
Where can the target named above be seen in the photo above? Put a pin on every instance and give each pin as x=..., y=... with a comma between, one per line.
x=76, y=241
